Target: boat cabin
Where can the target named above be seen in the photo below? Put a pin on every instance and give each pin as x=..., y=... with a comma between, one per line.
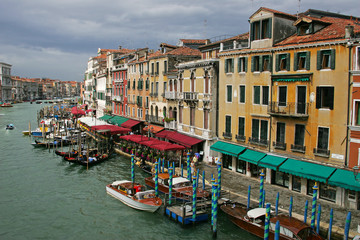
x=178, y=182
x=145, y=194
x=128, y=187
x=256, y=216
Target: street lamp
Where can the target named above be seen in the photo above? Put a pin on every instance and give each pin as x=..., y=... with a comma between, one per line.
x=356, y=170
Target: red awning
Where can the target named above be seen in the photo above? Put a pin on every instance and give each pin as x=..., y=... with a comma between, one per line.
x=112, y=128
x=183, y=139
x=167, y=147
x=133, y=138
x=130, y=123
x=153, y=128
x=77, y=111
x=164, y=133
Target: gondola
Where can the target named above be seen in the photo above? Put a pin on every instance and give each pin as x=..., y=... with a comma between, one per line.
x=73, y=153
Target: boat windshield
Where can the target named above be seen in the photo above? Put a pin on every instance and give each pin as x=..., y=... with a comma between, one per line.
x=305, y=233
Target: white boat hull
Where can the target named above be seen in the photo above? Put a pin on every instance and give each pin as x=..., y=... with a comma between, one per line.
x=130, y=202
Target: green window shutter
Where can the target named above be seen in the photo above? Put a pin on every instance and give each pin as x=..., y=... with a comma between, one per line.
x=331, y=98
x=307, y=60
x=332, y=63
x=296, y=61
x=226, y=66
x=318, y=97
x=246, y=63
x=269, y=28
x=241, y=130
x=252, y=63
x=232, y=64
x=261, y=63
x=277, y=64
x=228, y=124
x=288, y=62
x=318, y=60
x=238, y=66
x=251, y=31
x=255, y=129
x=270, y=63
x=257, y=94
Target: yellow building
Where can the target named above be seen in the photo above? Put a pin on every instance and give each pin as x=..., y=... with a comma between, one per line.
x=283, y=101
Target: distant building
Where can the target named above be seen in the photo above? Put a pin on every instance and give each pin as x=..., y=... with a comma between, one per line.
x=5, y=82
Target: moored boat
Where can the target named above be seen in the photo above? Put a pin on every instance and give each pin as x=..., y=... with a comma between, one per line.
x=134, y=195
x=253, y=221
x=73, y=153
x=6, y=105
x=10, y=126
x=182, y=187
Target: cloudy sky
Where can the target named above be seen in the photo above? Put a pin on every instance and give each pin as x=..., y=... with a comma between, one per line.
x=55, y=38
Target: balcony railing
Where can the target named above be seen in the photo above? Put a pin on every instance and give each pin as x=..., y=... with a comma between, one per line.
x=227, y=135
x=154, y=119
x=279, y=145
x=288, y=109
x=171, y=125
x=171, y=95
x=322, y=152
x=190, y=96
x=240, y=138
x=298, y=148
x=259, y=141
x=117, y=98
x=154, y=94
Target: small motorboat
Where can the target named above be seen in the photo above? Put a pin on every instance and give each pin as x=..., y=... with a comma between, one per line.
x=134, y=195
x=6, y=105
x=253, y=221
x=10, y=126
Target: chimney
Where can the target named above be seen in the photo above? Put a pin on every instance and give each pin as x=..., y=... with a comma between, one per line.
x=349, y=31
x=120, y=47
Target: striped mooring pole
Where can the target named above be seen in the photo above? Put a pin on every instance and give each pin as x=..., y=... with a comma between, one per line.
x=188, y=166
x=313, y=208
x=306, y=210
x=212, y=198
x=194, y=198
x=330, y=223
x=248, y=199
x=261, y=188
x=132, y=169
x=170, y=184
x=277, y=204
x=277, y=230
x=216, y=189
x=156, y=178
x=347, y=226
x=203, y=180
x=267, y=222
x=318, y=219
x=291, y=206
x=219, y=177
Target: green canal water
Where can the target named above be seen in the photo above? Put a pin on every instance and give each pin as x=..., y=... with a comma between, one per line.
x=44, y=197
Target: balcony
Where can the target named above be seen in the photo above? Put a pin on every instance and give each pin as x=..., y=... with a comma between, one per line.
x=190, y=96
x=171, y=95
x=279, y=145
x=117, y=98
x=321, y=152
x=258, y=141
x=171, y=125
x=154, y=94
x=240, y=138
x=154, y=119
x=298, y=148
x=227, y=135
x=288, y=109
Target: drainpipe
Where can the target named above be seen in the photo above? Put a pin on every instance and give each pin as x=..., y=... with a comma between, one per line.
x=349, y=45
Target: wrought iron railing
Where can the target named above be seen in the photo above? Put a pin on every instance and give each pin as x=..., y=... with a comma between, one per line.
x=288, y=109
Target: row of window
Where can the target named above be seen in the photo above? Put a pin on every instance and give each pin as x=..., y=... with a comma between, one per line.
x=324, y=95
x=261, y=63
x=259, y=134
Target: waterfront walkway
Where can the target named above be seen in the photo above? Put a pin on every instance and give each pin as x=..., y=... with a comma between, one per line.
x=237, y=184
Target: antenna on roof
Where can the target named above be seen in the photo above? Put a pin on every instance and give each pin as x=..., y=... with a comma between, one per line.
x=299, y=3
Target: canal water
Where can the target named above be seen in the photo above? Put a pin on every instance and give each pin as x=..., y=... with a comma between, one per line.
x=44, y=197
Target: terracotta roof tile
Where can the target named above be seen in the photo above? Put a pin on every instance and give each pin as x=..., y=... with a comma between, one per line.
x=242, y=36
x=334, y=31
x=185, y=51
x=275, y=12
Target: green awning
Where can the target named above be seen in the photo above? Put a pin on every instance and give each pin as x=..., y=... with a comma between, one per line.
x=313, y=171
x=345, y=179
x=303, y=79
x=271, y=161
x=251, y=156
x=117, y=120
x=105, y=117
x=227, y=148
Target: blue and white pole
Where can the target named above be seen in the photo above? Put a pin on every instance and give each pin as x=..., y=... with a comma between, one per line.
x=318, y=219
x=313, y=209
x=277, y=230
x=194, y=199
x=291, y=206
x=219, y=177
x=170, y=184
x=306, y=210
x=277, y=204
x=132, y=169
x=216, y=195
x=203, y=180
x=248, y=198
x=261, y=188
x=347, y=226
x=267, y=222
